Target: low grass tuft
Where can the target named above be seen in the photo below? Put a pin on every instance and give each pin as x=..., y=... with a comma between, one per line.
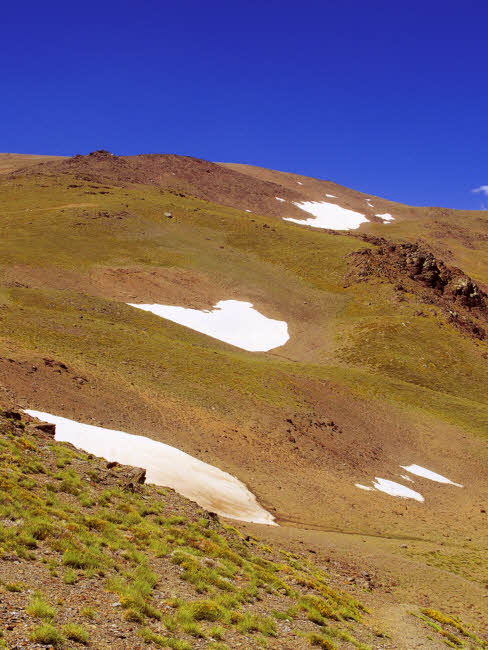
x=47, y=634
x=39, y=608
x=76, y=632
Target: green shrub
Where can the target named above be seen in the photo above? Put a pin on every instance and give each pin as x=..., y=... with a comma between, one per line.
x=207, y=610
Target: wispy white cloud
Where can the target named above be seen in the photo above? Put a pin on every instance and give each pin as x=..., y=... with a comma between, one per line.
x=482, y=189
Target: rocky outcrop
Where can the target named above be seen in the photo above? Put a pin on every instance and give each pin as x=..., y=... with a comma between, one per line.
x=414, y=268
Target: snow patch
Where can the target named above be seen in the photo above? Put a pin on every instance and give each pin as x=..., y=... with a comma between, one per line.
x=328, y=215
x=426, y=473
x=331, y=196
x=248, y=210
x=209, y=486
x=232, y=321
x=278, y=199
x=396, y=489
x=386, y=217
x=299, y=183
x=364, y=487
x=406, y=478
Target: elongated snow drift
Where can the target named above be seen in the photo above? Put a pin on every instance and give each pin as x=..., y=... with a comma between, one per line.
x=232, y=321
x=209, y=486
x=427, y=473
x=328, y=215
x=392, y=488
x=396, y=489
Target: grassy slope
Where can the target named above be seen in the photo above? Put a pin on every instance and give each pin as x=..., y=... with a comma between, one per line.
x=62, y=229
x=10, y=162
x=86, y=558
x=387, y=374
x=177, y=576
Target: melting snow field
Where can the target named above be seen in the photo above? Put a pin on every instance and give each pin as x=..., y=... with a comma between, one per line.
x=399, y=490
x=396, y=489
x=328, y=215
x=232, y=321
x=331, y=196
x=209, y=486
x=278, y=199
x=386, y=217
x=392, y=488
x=426, y=473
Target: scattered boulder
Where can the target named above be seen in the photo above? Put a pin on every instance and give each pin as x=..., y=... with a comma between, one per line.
x=13, y=415
x=135, y=477
x=47, y=428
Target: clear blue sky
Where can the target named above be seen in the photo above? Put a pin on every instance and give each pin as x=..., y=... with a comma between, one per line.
x=390, y=98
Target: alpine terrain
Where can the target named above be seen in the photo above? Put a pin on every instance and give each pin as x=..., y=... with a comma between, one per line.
x=240, y=408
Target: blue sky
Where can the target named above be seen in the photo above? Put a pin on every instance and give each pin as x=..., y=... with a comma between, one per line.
x=388, y=98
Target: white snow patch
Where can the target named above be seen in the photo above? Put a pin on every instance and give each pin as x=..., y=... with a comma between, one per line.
x=386, y=217
x=232, y=321
x=426, y=473
x=248, y=210
x=278, y=199
x=209, y=486
x=406, y=478
x=299, y=183
x=364, y=487
x=396, y=489
x=328, y=215
x=331, y=196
